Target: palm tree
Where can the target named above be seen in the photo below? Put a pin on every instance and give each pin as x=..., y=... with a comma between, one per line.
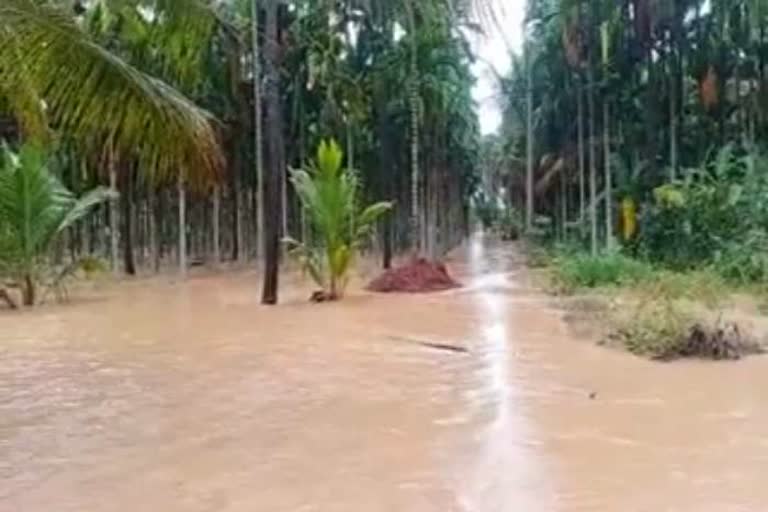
x=331, y=195
x=414, y=103
x=35, y=209
x=93, y=95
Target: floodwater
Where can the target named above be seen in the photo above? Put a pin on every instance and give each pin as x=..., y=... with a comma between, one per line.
x=191, y=397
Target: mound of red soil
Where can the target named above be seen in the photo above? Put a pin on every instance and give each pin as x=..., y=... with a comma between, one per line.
x=418, y=276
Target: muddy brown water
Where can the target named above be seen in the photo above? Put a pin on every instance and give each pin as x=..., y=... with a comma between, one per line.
x=191, y=397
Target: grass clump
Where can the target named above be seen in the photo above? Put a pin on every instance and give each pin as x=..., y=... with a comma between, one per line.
x=656, y=329
x=664, y=330
x=538, y=256
x=705, y=286
x=572, y=272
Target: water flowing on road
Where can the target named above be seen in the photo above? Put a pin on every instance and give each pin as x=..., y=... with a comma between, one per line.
x=192, y=397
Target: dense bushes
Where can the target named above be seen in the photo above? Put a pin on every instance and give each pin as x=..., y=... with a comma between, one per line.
x=717, y=215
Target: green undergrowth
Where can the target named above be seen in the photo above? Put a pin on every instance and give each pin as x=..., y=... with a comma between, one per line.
x=650, y=311
x=573, y=272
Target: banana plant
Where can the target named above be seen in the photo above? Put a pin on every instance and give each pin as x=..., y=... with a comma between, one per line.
x=330, y=194
x=35, y=209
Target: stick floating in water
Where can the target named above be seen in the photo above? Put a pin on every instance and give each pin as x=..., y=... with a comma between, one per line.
x=432, y=344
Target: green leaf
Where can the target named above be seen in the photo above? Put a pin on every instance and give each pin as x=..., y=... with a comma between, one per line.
x=83, y=206
x=98, y=99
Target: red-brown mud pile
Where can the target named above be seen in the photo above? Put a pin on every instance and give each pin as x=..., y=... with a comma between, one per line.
x=417, y=276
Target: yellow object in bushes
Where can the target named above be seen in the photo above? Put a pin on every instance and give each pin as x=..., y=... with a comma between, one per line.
x=628, y=218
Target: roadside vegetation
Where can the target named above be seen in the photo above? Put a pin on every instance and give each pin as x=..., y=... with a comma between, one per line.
x=675, y=285
x=655, y=311
x=634, y=149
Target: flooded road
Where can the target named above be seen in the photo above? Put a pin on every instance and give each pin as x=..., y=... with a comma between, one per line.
x=191, y=397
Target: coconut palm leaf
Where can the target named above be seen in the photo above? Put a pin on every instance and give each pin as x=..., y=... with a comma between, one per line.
x=31, y=201
x=367, y=219
x=97, y=98
x=173, y=37
x=78, y=208
x=35, y=207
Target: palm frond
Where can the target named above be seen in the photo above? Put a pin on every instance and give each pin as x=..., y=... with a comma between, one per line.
x=178, y=32
x=81, y=207
x=99, y=99
x=31, y=201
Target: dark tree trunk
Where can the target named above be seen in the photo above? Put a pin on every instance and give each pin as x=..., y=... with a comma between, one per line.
x=28, y=291
x=235, y=198
x=387, y=239
x=127, y=199
x=272, y=191
x=385, y=179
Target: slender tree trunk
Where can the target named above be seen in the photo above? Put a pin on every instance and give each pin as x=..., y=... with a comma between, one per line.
x=580, y=145
x=608, y=175
x=154, y=248
x=592, y=159
x=302, y=162
x=237, y=214
x=350, y=147
x=674, y=59
x=414, y=105
x=673, y=129
x=182, y=226
x=86, y=247
x=740, y=114
x=114, y=222
x=272, y=184
x=415, y=174
x=129, y=263
x=161, y=218
x=529, y=200
x=216, y=221
x=387, y=239
x=253, y=217
x=386, y=179
x=284, y=228
x=564, y=204
x=28, y=291
x=257, y=129
x=141, y=230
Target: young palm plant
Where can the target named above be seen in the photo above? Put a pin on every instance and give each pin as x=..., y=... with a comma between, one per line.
x=35, y=209
x=331, y=196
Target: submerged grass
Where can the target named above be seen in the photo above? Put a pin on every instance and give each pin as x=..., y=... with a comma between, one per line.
x=654, y=329
x=651, y=312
